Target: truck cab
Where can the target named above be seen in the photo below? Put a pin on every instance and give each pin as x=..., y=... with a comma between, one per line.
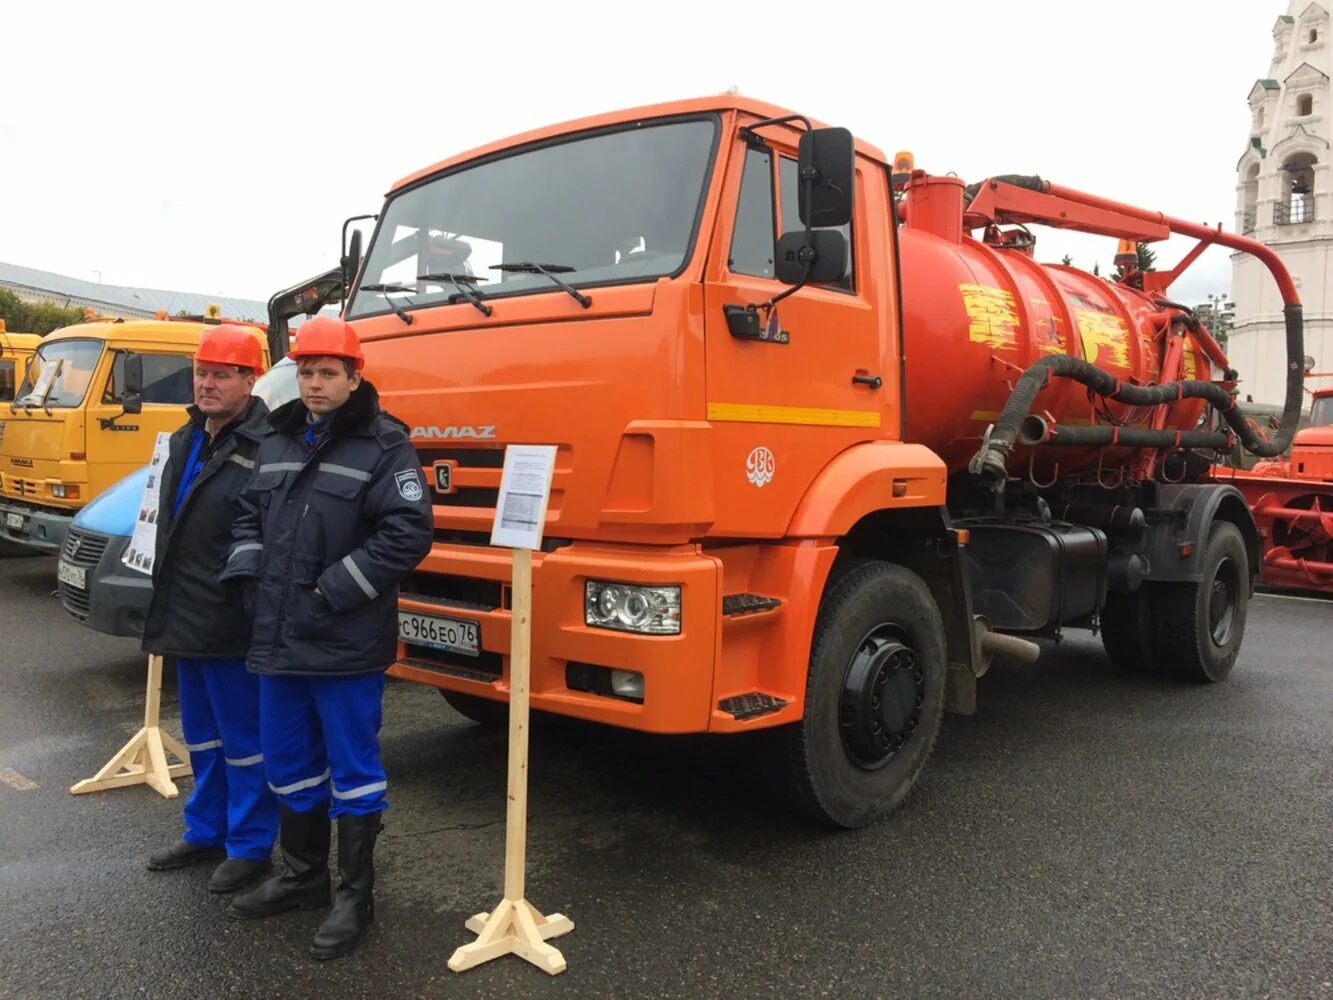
x=85, y=415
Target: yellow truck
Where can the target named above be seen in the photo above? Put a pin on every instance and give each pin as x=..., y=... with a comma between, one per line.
x=86, y=414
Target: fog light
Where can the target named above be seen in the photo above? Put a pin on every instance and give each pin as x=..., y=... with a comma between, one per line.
x=626, y=608
x=627, y=684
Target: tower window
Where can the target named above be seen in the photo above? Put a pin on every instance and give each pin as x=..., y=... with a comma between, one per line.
x=1314, y=35
x=1305, y=105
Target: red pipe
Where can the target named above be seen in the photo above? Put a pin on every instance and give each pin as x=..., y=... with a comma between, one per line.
x=1242, y=243
x=1309, y=566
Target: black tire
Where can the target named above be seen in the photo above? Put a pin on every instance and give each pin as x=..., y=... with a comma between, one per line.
x=1199, y=626
x=1127, y=630
x=483, y=711
x=873, y=700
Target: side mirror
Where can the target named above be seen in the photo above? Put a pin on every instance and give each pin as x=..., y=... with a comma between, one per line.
x=824, y=250
x=825, y=157
x=351, y=261
x=132, y=394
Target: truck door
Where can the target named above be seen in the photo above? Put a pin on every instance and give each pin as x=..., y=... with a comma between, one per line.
x=782, y=408
x=119, y=442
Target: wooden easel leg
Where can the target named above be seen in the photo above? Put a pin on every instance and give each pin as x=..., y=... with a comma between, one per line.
x=143, y=760
x=516, y=927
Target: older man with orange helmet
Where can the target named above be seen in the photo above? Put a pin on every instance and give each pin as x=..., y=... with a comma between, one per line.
x=231, y=813
x=335, y=515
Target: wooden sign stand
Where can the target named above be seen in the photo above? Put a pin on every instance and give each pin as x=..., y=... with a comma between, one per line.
x=516, y=927
x=143, y=760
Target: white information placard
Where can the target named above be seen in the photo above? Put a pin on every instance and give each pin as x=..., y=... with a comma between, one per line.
x=525, y=488
x=138, y=555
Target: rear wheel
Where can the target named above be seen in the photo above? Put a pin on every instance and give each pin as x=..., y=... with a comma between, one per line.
x=1199, y=625
x=874, y=697
x=491, y=714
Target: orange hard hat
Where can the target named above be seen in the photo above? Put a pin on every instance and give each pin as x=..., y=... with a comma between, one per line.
x=327, y=337
x=229, y=344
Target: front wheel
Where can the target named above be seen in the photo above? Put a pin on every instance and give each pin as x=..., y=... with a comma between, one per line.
x=484, y=711
x=874, y=697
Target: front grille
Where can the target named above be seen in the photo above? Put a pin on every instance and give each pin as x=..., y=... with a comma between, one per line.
x=84, y=548
x=75, y=602
x=460, y=591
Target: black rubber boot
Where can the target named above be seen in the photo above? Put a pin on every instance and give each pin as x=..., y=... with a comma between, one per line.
x=354, y=905
x=304, y=880
x=183, y=853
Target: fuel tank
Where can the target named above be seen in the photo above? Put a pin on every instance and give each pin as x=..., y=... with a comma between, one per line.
x=976, y=313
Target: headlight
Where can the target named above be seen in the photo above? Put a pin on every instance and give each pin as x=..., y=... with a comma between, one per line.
x=63, y=492
x=646, y=610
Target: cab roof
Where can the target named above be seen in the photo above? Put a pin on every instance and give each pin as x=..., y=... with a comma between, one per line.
x=721, y=103
x=182, y=332
x=19, y=341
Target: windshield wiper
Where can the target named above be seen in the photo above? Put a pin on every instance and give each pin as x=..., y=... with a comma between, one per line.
x=547, y=271
x=461, y=282
x=386, y=291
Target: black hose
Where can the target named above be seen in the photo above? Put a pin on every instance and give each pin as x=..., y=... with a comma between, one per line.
x=1134, y=437
x=992, y=458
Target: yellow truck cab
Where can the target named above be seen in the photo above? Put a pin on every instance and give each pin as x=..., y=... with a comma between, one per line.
x=86, y=414
x=16, y=350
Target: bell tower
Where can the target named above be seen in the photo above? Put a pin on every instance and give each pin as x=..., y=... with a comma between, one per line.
x=1284, y=199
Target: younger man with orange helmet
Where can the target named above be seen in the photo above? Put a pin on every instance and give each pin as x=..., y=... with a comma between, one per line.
x=335, y=515
x=198, y=620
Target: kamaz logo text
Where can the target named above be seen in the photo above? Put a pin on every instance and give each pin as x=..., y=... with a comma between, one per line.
x=452, y=432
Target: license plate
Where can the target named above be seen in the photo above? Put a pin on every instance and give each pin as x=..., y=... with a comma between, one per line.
x=14, y=521
x=75, y=576
x=449, y=634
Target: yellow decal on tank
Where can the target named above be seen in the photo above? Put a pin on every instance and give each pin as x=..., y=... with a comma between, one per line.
x=1105, y=337
x=993, y=315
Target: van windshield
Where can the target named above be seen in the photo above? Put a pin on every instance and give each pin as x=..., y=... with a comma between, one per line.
x=60, y=373
x=607, y=208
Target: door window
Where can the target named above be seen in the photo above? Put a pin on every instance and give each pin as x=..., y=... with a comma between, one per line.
x=167, y=379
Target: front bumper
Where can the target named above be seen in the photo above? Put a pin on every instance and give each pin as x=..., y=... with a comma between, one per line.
x=38, y=527
x=117, y=597
x=677, y=670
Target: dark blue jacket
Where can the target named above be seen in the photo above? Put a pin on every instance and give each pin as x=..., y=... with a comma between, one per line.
x=192, y=613
x=349, y=518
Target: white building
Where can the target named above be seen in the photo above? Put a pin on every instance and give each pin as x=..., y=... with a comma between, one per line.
x=1284, y=198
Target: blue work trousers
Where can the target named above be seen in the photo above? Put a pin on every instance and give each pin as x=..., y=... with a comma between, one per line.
x=230, y=805
x=321, y=742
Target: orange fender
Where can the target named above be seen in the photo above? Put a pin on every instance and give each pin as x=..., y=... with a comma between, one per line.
x=878, y=475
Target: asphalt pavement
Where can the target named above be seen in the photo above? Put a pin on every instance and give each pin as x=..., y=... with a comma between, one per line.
x=1086, y=835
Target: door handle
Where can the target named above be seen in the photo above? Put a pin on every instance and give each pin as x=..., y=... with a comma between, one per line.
x=874, y=381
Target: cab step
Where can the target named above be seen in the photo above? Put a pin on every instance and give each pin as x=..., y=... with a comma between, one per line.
x=747, y=706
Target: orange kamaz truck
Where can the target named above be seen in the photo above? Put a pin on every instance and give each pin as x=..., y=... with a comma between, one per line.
x=829, y=436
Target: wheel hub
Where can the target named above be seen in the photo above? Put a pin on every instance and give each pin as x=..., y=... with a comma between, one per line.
x=1222, y=600
x=883, y=691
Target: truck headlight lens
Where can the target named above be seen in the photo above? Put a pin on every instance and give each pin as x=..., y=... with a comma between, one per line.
x=63, y=492
x=627, y=608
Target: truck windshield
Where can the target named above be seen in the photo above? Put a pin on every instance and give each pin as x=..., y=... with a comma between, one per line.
x=69, y=366
x=609, y=208
x=1321, y=413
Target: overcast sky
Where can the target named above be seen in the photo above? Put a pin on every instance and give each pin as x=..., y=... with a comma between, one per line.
x=218, y=148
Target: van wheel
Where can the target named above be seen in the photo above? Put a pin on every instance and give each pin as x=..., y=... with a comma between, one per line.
x=873, y=700
x=484, y=711
x=1200, y=625
x=1127, y=634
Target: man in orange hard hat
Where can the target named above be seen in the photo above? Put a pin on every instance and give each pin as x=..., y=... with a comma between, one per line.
x=334, y=516
x=230, y=814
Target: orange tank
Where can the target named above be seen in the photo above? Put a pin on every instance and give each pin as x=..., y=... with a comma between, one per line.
x=977, y=314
